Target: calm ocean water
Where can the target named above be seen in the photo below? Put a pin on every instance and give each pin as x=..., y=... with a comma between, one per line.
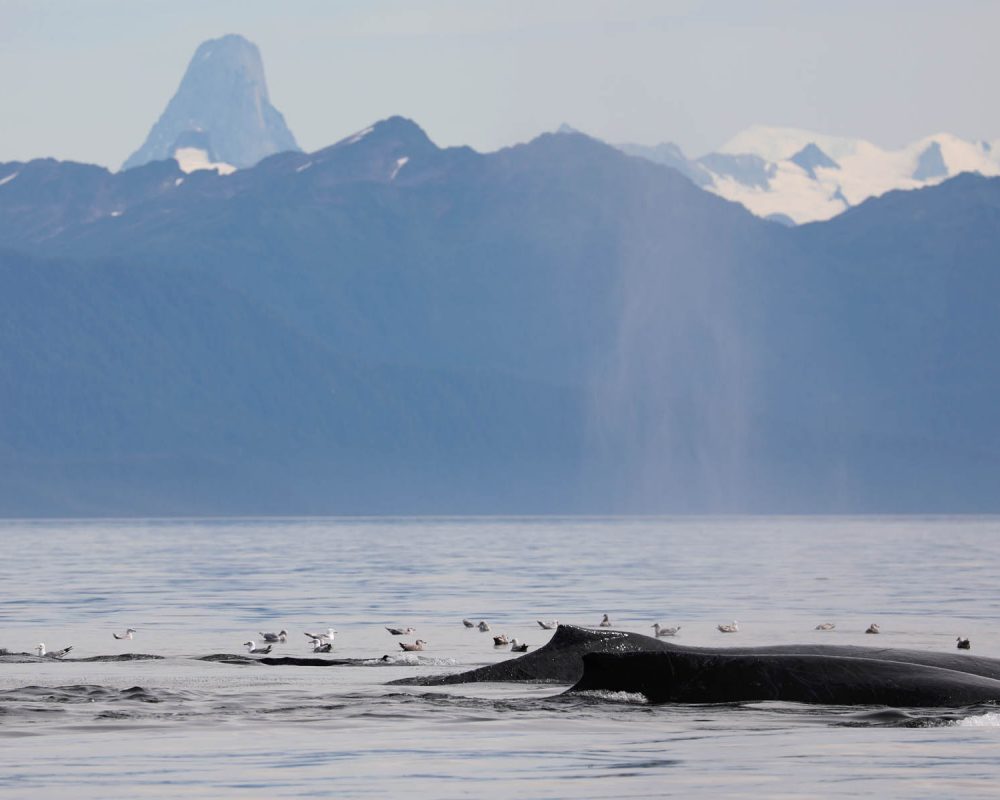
x=184, y=727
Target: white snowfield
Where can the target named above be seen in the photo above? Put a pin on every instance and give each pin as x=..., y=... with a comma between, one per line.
x=863, y=170
x=192, y=159
x=860, y=169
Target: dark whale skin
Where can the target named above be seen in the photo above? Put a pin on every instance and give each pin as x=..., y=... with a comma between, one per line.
x=691, y=677
x=561, y=660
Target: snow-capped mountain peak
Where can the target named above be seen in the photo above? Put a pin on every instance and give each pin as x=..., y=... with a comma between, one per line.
x=805, y=176
x=777, y=144
x=223, y=103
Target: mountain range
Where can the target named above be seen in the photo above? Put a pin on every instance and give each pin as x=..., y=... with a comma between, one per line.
x=385, y=326
x=221, y=118
x=795, y=176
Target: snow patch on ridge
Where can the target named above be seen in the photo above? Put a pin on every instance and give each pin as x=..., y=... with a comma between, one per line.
x=9, y=178
x=400, y=163
x=359, y=135
x=193, y=159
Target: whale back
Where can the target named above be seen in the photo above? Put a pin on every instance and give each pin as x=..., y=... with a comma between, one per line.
x=561, y=660
x=698, y=677
x=558, y=661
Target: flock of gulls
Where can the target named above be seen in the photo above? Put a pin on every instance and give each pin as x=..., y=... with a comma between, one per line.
x=323, y=642
x=734, y=627
x=320, y=642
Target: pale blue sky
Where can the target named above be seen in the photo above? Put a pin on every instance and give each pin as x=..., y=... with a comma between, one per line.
x=85, y=79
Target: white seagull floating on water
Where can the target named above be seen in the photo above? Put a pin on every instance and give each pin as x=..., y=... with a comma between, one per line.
x=417, y=645
x=252, y=648
x=826, y=626
x=733, y=628
x=322, y=647
x=548, y=626
x=330, y=633
x=661, y=631
x=280, y=636
x=605, y=623
x=127, y=635
x=42, y=652
x=484, y=626
x=401, y=631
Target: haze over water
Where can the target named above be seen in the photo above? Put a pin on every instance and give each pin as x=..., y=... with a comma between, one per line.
x=202, y=729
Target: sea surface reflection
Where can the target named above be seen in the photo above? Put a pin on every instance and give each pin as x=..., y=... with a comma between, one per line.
x=179, y=725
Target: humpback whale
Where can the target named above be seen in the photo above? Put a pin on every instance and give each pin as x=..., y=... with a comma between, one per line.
x=792, y=677
x=850, y=674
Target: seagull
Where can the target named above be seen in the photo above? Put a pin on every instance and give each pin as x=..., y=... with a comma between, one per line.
x=500, y=640
x=605, y=623
x=54, y=654
x=330, y=633
x=825, y=626
x=873, y=628
x=964, y=644
x=252, y=648
x=483, y=626
x=548, y=626
x=518, y=647
x=127, y=635
x=468, y=623
x=410, y=648
x=322, y=647
x=661, y=631
x=281, y=636
x=401, y=631
x=733, y=628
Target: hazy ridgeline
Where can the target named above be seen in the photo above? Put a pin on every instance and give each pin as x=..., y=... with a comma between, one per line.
x=555, y=327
